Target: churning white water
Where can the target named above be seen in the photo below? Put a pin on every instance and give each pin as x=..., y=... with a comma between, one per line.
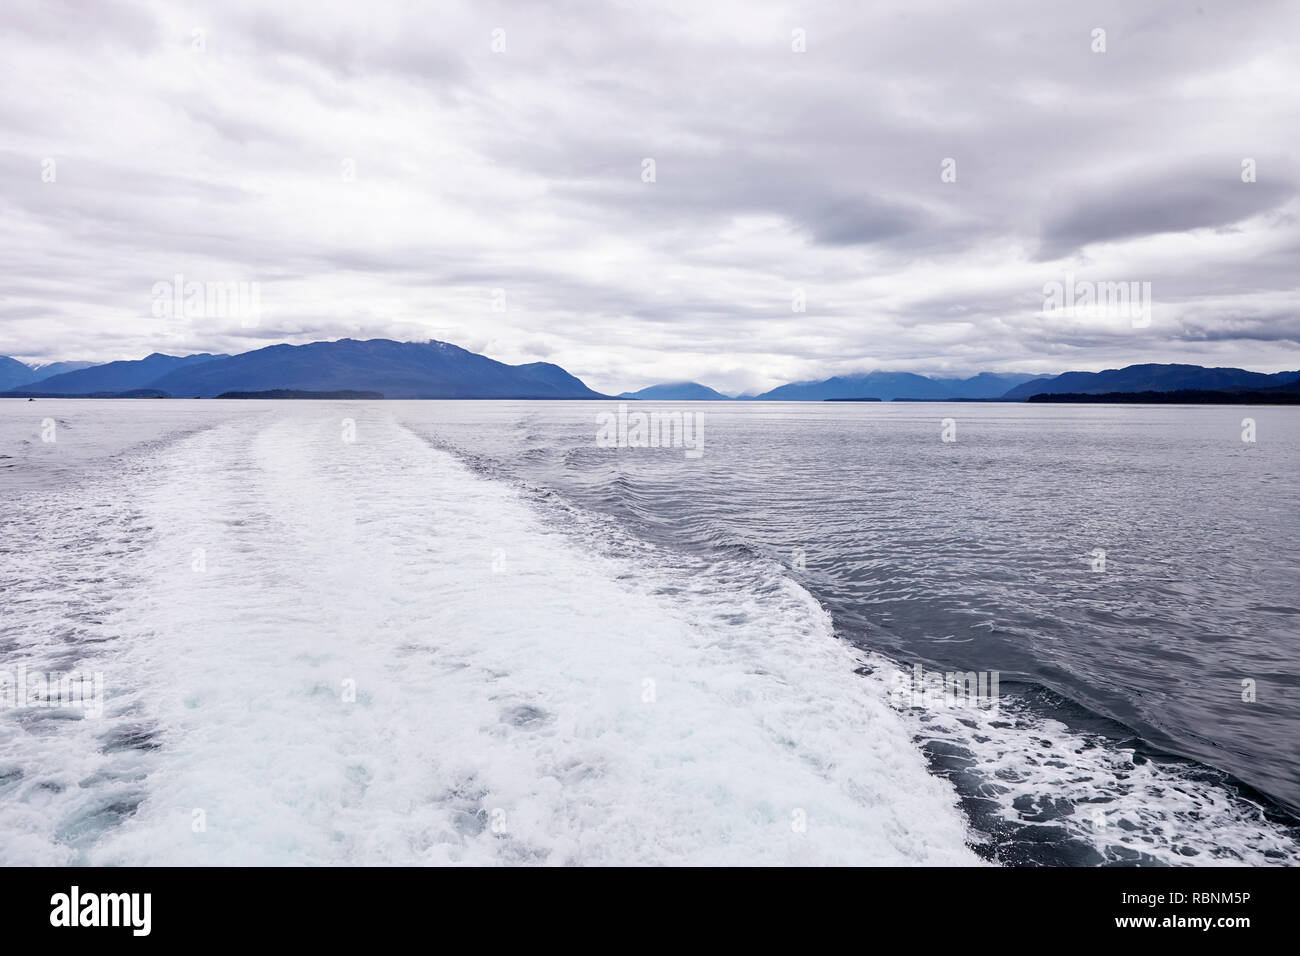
x=325, y=643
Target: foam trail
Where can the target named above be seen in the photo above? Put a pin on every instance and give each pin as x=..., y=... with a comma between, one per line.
x=522, y=693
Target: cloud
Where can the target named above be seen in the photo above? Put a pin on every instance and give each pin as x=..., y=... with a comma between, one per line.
x=1155, y=202
x=380, y=171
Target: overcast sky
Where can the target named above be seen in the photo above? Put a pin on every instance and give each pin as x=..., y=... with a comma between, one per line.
x=380, y=170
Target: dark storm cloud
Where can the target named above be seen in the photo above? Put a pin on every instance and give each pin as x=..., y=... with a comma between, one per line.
x=1159, y=202
x=1279, y=325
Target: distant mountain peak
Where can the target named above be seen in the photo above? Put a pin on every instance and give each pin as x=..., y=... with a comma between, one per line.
x=677, y=392
x=1149, y=377
x=885, y=385
x=114, y=376
x=430, y=369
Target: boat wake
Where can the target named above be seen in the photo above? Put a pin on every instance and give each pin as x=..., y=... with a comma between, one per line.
x=328, y=642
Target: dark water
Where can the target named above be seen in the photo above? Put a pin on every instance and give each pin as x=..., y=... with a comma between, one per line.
x=1124, y=687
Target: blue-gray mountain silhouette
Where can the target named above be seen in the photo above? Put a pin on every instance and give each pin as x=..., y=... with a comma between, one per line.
x=58, y=368
x=678, y=392
x=116, y=376
x=394, y=369
x=16, y=374
x=441, y=370
x=1149, y=378
x=13, y=373
x=895, y=385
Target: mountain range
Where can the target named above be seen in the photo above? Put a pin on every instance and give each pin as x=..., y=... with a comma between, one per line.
x=413, y=370
x=889, y=386
x=118, y=376
x=678, y=392
x=392, y=369
x=15, y=374
x=990, y=386
x=1149, y=378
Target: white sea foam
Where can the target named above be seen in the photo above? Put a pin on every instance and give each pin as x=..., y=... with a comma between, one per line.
x=524, y=690
x=1038, y=779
